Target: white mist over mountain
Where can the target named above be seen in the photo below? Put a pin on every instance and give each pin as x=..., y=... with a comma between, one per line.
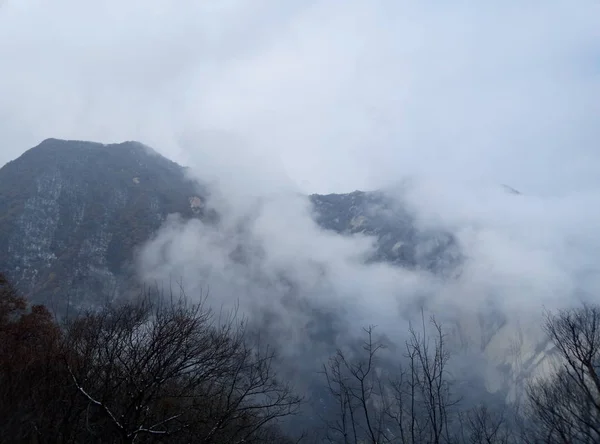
x=521, y=255
x=346, y=95
x=266, y=100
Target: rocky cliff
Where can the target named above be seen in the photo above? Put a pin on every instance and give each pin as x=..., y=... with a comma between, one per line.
x=399, y=241
x=72, y=214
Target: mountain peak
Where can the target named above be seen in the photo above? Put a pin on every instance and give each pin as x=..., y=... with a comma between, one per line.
x=510, y=190
x=66, y=144
x=72, y=213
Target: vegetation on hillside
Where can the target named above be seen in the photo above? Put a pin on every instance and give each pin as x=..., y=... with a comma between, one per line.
x=167, y=370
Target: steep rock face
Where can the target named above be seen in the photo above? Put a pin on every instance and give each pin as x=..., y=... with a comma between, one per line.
x=72, y=214
x=504, y=350
x=399, y=241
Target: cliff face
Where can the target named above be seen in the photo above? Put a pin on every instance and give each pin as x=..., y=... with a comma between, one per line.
x=399, y=241
x=72, y=214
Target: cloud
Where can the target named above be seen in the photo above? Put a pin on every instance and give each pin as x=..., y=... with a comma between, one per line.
x=266, y=99
x=344, y=94
x=312, y=290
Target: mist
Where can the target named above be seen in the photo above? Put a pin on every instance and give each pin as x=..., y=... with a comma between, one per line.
x=312, y=290
x=437, y=105
x=343, y=95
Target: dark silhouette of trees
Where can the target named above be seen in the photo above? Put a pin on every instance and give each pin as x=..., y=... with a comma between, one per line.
x=565, y=407
x=414, y=405
x=144, y=371
x=355, y=386
x=482, y=425
x=150, y=370
x=30, y=369
x=157, y=370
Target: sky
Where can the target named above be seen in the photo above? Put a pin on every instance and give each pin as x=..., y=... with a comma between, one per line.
x=439, y=103
x=329, y=96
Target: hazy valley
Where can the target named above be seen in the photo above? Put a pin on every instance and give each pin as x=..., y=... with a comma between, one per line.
x=86, y=224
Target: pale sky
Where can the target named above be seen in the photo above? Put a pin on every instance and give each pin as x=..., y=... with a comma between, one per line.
x=333, y=96
x=337, y=95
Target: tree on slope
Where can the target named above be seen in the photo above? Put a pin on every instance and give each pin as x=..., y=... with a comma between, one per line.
x=565, y=407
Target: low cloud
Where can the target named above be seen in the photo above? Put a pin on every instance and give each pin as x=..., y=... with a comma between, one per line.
x=313, y=290
x=345, y=95
x=267, y=101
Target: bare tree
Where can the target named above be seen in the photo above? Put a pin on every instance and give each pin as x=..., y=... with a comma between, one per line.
x=480, y=425
x=429, y=371
x=412, y=406
x=565, y=407
x=148, y=371
x=356, y=388
x=152, y=370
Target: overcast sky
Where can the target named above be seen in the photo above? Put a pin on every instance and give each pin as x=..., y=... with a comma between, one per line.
x=336, y=95
x=332, y=96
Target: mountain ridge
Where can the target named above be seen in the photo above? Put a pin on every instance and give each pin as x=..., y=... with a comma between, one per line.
x=73, y=209
x=74, y=214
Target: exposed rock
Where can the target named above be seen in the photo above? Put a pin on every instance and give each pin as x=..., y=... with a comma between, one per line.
x=399, y=241
x=71, y=216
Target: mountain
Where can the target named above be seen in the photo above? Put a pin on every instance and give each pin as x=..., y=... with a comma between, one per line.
x=72, y=214
x=399, y=241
